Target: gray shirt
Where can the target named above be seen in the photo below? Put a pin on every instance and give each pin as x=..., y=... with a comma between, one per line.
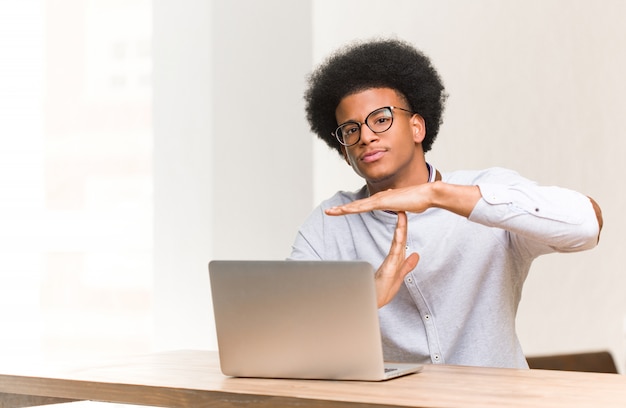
x=458, y=306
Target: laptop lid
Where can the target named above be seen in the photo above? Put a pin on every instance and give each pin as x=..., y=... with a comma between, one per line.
x=298, y=319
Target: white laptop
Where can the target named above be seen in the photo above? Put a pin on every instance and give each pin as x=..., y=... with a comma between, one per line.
x=299, y=319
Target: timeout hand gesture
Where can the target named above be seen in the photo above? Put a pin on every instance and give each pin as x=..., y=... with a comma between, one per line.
x=390, y=276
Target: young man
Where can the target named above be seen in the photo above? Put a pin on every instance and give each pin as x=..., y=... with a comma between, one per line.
x=379, y=105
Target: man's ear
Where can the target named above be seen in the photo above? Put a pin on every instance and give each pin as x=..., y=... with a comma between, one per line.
x=345, y=155
x=418, y=126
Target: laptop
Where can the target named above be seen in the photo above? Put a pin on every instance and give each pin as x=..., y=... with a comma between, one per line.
x=299, y=319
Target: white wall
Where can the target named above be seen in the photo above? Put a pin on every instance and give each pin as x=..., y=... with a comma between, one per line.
x=536, y=86
x=232, y=159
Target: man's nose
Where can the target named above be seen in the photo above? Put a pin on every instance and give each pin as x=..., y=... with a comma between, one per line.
x=367, y=134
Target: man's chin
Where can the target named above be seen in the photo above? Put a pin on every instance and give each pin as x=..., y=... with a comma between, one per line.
x=378, y=180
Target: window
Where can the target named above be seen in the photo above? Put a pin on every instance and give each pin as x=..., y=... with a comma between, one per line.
x=75, y=176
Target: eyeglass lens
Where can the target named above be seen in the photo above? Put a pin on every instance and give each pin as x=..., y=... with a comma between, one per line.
x=378, y=121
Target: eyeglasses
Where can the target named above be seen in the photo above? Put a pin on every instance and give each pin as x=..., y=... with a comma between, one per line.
x=349, y=133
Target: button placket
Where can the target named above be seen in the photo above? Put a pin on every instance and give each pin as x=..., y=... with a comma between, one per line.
x=427, y=319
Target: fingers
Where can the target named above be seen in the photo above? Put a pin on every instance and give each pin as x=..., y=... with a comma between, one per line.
x=391, y=200
x=387, y=286
x=396, y=265
x=410, y=263
x=354, y=207
x=398, y=246
x=379, y=201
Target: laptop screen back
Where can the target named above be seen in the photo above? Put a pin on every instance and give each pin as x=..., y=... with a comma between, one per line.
x=296, y=319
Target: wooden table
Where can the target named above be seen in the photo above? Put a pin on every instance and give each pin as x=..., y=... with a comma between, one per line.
x=193, y=379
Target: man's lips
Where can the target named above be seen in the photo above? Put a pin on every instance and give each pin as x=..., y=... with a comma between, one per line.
x=372, y=156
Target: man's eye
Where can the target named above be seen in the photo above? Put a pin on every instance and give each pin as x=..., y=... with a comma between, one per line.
x=350, y=130
x=382, y=119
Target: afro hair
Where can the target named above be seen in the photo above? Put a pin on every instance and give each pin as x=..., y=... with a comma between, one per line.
x=386, y=63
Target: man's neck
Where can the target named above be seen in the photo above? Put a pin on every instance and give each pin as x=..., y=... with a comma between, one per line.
x=421, y=175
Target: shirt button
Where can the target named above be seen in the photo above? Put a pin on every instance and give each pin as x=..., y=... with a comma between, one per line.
x=436, y=357
x=427, y=317
x=409, y=280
